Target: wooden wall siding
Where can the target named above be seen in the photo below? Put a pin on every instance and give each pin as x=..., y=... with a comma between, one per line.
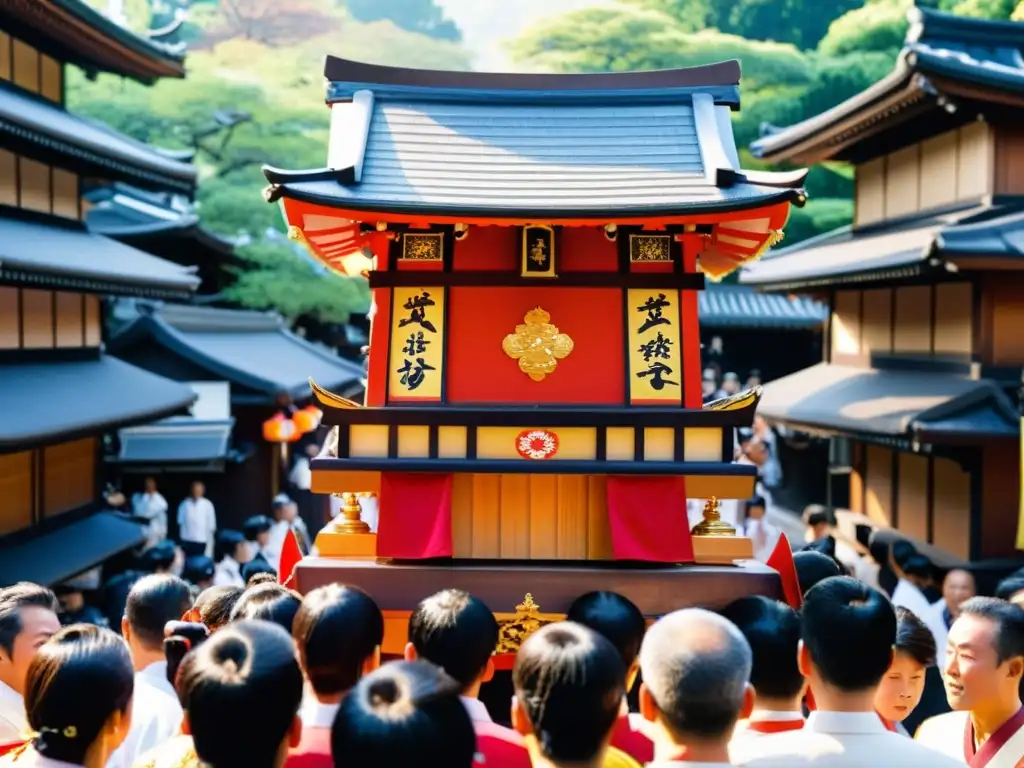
x=10, y=318
x=23, y=65
x=34, y=188
x=549, y=517
x=69, y=312
x=912, y=331
x=876, y=333
x=951, y=508
x=93, y=322
x=65, y=194
x=8, y=178
x=16, y=492
x=36, y=319
x=911, y=513
x=1000, y=496
x=959, y=165
x=38, y=187
x=1009, y=160
x=878, y=485
x=1002, y=318
x=845, y=328
x=69, y=476
x=954, y=319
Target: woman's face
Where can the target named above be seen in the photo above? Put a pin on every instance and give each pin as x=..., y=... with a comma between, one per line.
x=901, y=688
x=243, y=553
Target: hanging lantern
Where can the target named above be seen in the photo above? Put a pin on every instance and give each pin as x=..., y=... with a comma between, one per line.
x=279, y=429
x=307, y=419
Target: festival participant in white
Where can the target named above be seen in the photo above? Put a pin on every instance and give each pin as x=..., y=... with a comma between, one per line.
x=28, y=618
x=984, y=664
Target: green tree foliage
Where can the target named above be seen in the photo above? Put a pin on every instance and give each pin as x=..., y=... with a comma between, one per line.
x=878, y=26
x=422, y=16
x=1018, y=14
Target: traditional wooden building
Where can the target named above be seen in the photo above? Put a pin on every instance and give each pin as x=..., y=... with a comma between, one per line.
x=59, y=392
x=241, y=362
x=923, y=352
x=534, y=371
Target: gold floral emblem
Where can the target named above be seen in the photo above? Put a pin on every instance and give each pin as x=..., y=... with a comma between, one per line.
x=537, y=345
x=649, y=248
x=422, y=247
x=513, y=632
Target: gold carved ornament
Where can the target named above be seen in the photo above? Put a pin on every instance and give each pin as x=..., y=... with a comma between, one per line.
x=422, y=247
x=513, y=632
x=712, y=524
x=537, y=345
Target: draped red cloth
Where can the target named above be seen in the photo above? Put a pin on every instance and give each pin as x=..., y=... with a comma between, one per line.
x=648, y=521
x=781, y=559
x=415, y=520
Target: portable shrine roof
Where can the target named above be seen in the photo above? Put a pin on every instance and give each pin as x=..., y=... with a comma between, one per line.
x=74, y=32
x=502, y=146
x=898, y=248
x=43, y=251
x=41, y=128
x=252, y=350
x=945, y=59
x=912, y=405
x=82, y=397
x=738, y=306
x=180, y=442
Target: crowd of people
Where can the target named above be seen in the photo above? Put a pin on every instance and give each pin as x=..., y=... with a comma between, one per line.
x=258, y=676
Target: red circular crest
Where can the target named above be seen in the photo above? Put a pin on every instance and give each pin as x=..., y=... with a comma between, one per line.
x=537, y=444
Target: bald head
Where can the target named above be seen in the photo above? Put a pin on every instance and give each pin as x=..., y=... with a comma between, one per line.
x=695, y=666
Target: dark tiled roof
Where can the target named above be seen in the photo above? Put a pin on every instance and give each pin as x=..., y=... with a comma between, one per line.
x=738, y=306
x=476, y=143
x=55, y=401
x=179, y=440
x=893, y=249
x=49, y=251
x=977, y=52
x=53, y=557
x=88, y=145
x=846, y=400
x=252, y=349
x=79, y=34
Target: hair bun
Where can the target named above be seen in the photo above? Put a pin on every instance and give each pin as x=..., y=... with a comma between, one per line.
x=384, y=693
x=232, y=656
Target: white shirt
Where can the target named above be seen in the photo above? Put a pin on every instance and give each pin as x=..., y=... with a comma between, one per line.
x=32, y=759
x=910, y=597
x=839, y=740
x=314, y=714
x=275, y=543
x=13, y=722
x=476, y=710
x=763, y=534
x=156, y=716
x=228, y=573
x=197, y=521
x=301, y=475
x=152, y=507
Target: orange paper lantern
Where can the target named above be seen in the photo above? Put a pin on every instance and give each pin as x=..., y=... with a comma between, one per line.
x=307, y=419
x=279, y=429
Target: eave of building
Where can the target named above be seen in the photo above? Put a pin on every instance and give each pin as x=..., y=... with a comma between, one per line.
x=73, y=32
x=38, y=128
x=945, y=58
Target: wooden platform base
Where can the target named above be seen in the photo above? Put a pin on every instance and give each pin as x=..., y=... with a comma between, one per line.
x=502, y=585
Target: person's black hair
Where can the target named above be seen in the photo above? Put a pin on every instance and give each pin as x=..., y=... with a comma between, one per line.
x=1009, y=621
x=256, y=525
x=159, y=557
x=13, y=599
x=570, y=682
x=180, y=637
x=153, y=601
x=198, y=568
x=773, y=631
x=754, y=373
x=902, y=551
x=615, y=618
x=260, y=576
x=455, y=631
x=246, y=671
x=254, y=566
x=917, y=565
x=756, y=501
x=215, y=604
x=1009, y=587
x=813, y=567
x=76, y=681
x=403, y=715
x=267, y=602
x=228, y=542
x=337, y=628
x=849, y=629
x=914, y=638
x=817, y=514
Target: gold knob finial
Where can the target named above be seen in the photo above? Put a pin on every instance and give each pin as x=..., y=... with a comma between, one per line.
x=352, y=513
x=712, y=524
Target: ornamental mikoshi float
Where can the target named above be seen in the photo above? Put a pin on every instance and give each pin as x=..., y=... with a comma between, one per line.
x=533, y=423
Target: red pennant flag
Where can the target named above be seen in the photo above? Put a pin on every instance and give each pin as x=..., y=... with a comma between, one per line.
x=781, y=560
x=290, y=557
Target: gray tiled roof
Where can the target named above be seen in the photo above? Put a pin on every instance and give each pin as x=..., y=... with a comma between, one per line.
x=739, y=306
x=175, y=440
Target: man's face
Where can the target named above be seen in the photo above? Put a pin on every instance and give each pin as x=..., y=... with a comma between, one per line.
x=262, y=538
x=38, y=625
x=731, y=386
x=198, y=489
x=707, y=387
x=291, y=511
x=150, y=485
x=957, y=588
x=972, y=674
x=755, y=512
x=756, y=453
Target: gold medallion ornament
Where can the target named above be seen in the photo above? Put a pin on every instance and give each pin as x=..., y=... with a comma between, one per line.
x=537, y=345
x=513, y=632
x=713, y=524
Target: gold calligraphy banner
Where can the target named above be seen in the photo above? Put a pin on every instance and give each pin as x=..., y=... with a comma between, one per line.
x=654, y=354
x=417, y=344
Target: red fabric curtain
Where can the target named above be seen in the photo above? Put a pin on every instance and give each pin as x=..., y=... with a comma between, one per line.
x=415, y=516
x=648, y=519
